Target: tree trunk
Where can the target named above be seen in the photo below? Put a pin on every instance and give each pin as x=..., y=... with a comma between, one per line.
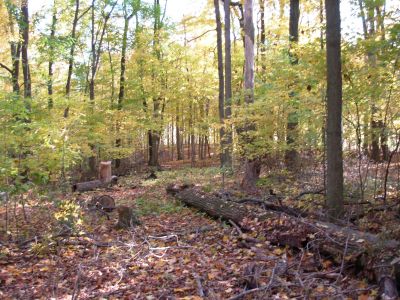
x=15, y=48
x=72, y=50
x=210, y=204
x=291, y=155
x=334, y=110
x=96, y=46
x=179, y=142
x=121, y=94
x=24, y=27
x=51, y=56
x=228, y=87
x=105, y=173
x=262, y=40
x=220, y=82
x=252, y=165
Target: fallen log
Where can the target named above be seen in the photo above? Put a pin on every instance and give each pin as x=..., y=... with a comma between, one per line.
x=272, y=206
x=210, y=204
x=89, y=186
x=369, y=252
x=92, y=185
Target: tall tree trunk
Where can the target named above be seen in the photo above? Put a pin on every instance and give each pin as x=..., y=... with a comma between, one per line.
x=93, y=53
x=179, y=142
x=15, y=48
x=121, y=94
x=228, y=87
x=262, y=40
x=220, y=81
x=72, y=50
x=24, y=26
x=252, y=165
x=334, y=105
x=291, y=155
x=154, y=135
x=96, y=46
x=51, y=56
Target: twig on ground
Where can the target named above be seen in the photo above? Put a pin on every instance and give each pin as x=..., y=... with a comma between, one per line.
x=199, y=285
x=236, y=227
x=259, y=289
x=77, y=288
x=315, y=192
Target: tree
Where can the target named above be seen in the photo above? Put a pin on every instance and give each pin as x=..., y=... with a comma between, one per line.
x=220, y=80
x=71, y=58
x=15, y=46
x=135, y=5
x=97, y=37
x=154, y=135
x=51, y=55
x=227, y=142
x=334, y=110
x=252, y=164
x=292, y=123
x=24, y=32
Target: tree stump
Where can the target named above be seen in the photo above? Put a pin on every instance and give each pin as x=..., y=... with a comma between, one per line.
x=105, y=171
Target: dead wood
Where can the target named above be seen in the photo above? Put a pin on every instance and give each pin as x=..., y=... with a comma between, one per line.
x=313, y=192
x=103, y=202
x=210, y=204
x=274, y=207
x=92, y=185
x=347, y=246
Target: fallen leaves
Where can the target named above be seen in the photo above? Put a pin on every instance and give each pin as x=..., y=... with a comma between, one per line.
x=159, y=259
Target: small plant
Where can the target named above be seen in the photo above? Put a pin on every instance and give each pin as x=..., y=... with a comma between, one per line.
x=69, y=214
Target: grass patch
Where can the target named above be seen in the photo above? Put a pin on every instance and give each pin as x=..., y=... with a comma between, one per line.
x=154, y=207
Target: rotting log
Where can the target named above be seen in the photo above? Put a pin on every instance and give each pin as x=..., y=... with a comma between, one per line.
x=88, y=186
x=213, y=206
x=370, y=253
x=92, y=185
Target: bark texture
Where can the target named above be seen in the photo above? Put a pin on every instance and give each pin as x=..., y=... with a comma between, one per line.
x=334, y=110
x=291, y=155
x=252, y=165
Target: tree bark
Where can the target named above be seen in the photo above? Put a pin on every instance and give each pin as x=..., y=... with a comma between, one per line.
x=291, y=155
x=51, y=57
x=15, y=48
x=221, y=95
x=121, y=94
x=96, y=46
x=155, y=135
x=334, y=110
x=24, y=28
x=179, y=142
x=227, y=156
x=252, y=165
x=72, y=50
x=210, y=204
x=262, y=40
x=105, y=173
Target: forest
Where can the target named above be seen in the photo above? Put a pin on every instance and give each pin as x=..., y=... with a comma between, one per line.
x=208, y=149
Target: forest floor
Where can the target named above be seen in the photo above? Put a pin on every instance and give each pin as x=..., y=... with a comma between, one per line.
x=177, y=252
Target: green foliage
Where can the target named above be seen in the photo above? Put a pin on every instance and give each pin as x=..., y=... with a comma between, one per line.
x=156, y=207
x=69, y=213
